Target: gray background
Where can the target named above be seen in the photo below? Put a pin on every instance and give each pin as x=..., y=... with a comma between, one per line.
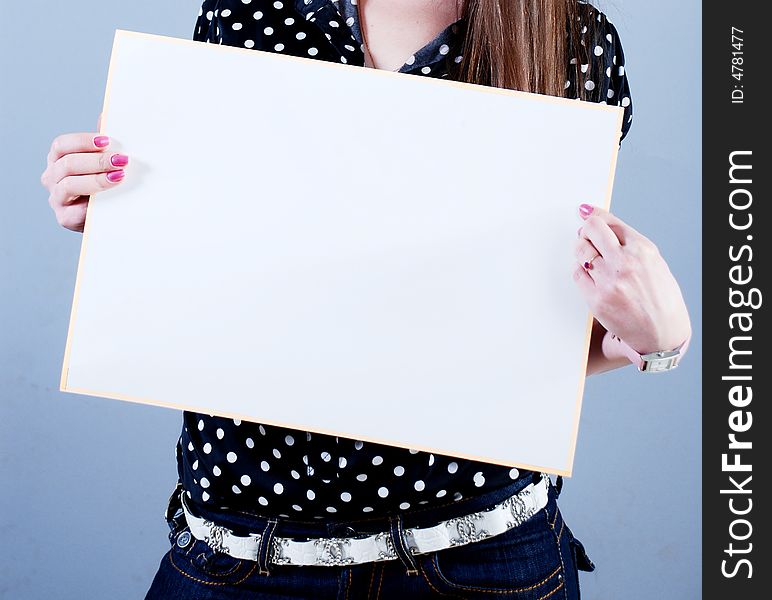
x=83, y=481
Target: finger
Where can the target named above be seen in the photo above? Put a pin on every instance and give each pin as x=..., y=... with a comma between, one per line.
x=70, y=143
x=87, y=163
x=621, y=229
x=584, y=250
x=73, y=216
x=584, y=281
x=70, y=188
x=600, y=234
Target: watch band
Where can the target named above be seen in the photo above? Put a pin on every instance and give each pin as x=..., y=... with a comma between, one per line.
x=653, y=362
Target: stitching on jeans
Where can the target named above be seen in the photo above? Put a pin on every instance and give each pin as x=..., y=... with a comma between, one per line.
x=372, y=577
x=203, y=581
x=478, y=589
x=426, y=578
x=562, y=527
x=380, y=581
x=348, y=586
x=552, y=592
x=560, y=552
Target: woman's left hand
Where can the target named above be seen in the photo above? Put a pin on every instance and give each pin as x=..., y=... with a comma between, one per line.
x=628, y=285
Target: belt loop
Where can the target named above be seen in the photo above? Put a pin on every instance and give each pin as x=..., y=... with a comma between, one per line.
x=397, y=533
x=558, y=485
x=266, y=539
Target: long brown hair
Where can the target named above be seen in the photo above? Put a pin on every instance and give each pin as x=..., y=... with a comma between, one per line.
x=525, y=45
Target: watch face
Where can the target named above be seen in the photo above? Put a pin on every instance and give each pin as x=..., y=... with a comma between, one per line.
x=656, y=362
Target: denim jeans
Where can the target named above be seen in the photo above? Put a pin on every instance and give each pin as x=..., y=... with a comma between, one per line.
x=537, y=560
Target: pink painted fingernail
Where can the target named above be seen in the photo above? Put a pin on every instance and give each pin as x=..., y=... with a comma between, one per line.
x=119, y=160
x=115, y=176
x=101, y=141
x=585, y=210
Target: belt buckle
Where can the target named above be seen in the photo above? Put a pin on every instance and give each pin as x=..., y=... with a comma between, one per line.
x=332, y=552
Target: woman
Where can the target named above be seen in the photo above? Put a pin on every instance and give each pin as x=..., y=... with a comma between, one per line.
x=270, y=512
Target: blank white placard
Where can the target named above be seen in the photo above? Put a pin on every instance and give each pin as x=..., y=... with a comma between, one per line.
x=342, y=250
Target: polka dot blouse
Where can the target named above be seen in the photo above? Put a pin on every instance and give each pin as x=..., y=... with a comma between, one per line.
x=277, y=471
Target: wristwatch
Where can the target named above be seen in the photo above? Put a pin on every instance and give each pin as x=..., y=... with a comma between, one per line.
x=653, y=362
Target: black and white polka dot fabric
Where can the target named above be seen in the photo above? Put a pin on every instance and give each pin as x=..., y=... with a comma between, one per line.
x=277, y=471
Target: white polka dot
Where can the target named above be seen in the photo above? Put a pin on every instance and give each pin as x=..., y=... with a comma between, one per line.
x=458, y=59
x=209, y=15
x=441, y=493
x=457, y=496
x=207, y=448
x=278, y=5
x=204, y=496
x=226, y=13
x=609, y=37
x=351, y=48
x=625, y=101
x=479, y=479
x=399, y=471
x=276, y=453
x=346, y=497
x=190, y=446
x=236, y=489
x=261, y=429
x=195, y=465
x=200, y=424
x=296, y=507
x=608, y=71
x=237, y=26
x=383, y=492
x=250, y=44
x=268, y=31
x=361, y=477
x=568, y=84
x=257, y=16
x=377, y=460
x=404, y=505
x=265, y=466
x=204, y=482
x=584, y=68
x=343, y=60
x=598, y=51
x=246, y=1
x=326, y=456
x=358, y=445
x=367, y=509
x=331, y=509
x=289, y=21
x=350, y=21
x=300, y=35
x=621, y=70
x=278, y=488
x=237, y=422
x=426, y=70
x=589, y=85
x=231, y=457
x=514, y=473
x=334, y=24
x=216, y=471
x=413, y=451
x=610, y=93
x=246, y=480
x=313, y=51
x=431, y=459
x=444, y=49
x=410, y=60
x=419, y=486
x=452, y=467
x=262, y=501
x=310, y=494
x=250, y=443
x=342, y=462
x=220, y=434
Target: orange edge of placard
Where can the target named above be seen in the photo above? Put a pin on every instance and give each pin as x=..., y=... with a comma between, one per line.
x=64, y=384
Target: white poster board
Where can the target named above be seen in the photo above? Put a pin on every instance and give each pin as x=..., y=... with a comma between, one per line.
x=342, y=250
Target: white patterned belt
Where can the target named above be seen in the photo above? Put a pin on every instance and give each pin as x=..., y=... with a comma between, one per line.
x=376, y=547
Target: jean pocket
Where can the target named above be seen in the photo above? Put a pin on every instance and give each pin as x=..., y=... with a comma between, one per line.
x=522, y=563
x=196, y=560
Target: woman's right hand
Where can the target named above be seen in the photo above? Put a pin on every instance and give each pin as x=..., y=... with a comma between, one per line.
x=80, y=165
